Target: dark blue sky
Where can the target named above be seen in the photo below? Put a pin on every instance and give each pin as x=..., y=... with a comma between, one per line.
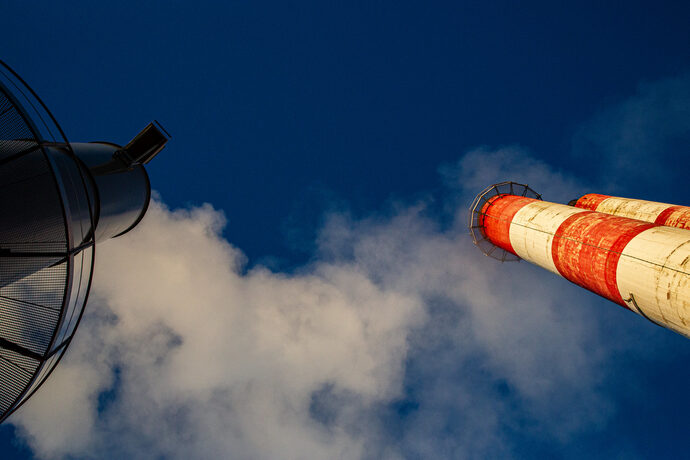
x=273, y=105
x=281, y=111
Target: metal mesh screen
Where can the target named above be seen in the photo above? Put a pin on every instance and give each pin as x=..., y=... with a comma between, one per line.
x=17, y=372
x=13, y=128
x=45, y=272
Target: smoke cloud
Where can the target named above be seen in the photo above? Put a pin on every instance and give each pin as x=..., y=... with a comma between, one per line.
x=395, y=341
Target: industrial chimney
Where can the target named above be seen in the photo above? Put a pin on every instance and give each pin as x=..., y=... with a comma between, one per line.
x=635, y=253
x=57, y=201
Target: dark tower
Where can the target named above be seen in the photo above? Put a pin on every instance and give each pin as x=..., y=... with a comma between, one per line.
x=57, y=202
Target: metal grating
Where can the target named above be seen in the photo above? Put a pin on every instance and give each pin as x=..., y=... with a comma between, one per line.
x=46, y=242
x=475, y=221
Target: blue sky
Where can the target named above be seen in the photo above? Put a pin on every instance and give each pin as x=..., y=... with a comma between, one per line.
x=351, y=137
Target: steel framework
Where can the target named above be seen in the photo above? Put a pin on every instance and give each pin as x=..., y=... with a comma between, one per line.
x=47, y=242
x=476, y=221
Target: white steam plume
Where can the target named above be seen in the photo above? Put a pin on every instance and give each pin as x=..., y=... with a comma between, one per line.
x=397, y=340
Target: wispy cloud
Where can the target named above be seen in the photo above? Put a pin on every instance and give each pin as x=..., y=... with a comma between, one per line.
x=639, y=140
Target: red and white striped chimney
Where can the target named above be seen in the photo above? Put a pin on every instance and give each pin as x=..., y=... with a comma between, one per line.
x=648, y=211
x=642, y=266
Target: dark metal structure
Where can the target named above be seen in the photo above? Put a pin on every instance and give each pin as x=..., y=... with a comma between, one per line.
x=57, y=201
x=476, y=222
